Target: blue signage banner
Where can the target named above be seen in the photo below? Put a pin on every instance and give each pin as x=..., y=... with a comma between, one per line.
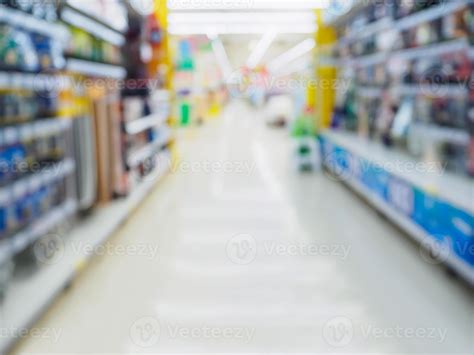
x=445, y=223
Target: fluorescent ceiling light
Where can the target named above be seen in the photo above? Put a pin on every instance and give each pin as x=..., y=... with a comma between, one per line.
x=297, y=66
x=259, y=51
x=292, y=54
x=240, y=29
x=221, y=56
x=247, y=4
x=276, y=18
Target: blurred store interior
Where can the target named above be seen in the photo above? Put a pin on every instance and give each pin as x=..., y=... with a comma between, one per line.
x=236, y=176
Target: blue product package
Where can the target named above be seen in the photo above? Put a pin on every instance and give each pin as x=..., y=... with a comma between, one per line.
x=4, y=199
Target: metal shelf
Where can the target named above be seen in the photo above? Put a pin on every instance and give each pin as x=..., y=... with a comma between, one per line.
x=29, y=22
x=432, y=50
x=368, y=30
x=31, y=130
x=145, y=123
x=437, y=133
x=35, y=181
x=455, y=189
x=94, y=69
x=28, y=81
x=441, y=90
x=92, y=26
x=429, y=14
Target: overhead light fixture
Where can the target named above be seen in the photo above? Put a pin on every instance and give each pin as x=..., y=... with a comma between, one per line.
x=216, y=17
x=221, y=55
x=259, y=51
x=292, y=54
x=248, y=4
x=239, y=29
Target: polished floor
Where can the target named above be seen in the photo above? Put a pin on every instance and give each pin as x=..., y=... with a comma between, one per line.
x=235, y=251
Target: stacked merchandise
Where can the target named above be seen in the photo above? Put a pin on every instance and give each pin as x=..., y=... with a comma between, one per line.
x=36, y=163
x=73, y=134
x=409, y=65
x=408, y=71
x=147, y=136
x=94, y=57
x=184, y=82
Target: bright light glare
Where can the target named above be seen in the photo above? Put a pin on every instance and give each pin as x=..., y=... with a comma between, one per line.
x=260, y=49
x=247, y=4
x=239, y=29
x=277, y=18
x=292, y=54
x=221, y=56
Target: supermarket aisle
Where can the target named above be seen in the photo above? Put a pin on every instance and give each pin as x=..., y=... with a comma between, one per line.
x=236, y=252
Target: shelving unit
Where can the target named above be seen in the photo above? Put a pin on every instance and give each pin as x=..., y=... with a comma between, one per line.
x=424, y=194
x=433, y=205
x=80, y=110
x=20, y=309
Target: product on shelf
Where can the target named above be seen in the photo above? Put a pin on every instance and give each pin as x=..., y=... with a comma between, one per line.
x=84, y=45
x=401, y=89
